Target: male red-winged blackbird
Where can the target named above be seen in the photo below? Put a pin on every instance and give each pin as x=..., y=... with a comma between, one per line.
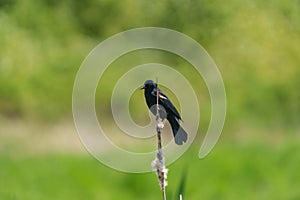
x=170, y=112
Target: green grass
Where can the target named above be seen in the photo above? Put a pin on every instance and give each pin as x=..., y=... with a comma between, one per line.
x=231, y=171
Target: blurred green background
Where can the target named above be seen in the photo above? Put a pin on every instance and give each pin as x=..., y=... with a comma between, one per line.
x=256, y=45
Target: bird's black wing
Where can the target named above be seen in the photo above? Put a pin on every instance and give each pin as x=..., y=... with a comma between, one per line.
x=164, y=100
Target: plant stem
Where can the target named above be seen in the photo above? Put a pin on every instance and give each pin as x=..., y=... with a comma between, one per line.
x=159, y=162
x=160, y=156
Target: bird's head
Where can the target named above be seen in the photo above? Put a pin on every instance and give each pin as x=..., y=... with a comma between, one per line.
x=149, y=85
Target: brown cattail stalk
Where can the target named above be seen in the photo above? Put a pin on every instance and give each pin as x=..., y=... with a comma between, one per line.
x=158, y=164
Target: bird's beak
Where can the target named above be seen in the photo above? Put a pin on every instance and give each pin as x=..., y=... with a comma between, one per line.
x=143, y=87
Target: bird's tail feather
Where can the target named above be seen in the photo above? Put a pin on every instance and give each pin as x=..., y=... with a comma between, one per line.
x=179, y=133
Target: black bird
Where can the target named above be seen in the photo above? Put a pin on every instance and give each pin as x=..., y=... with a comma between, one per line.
x=172, y=115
